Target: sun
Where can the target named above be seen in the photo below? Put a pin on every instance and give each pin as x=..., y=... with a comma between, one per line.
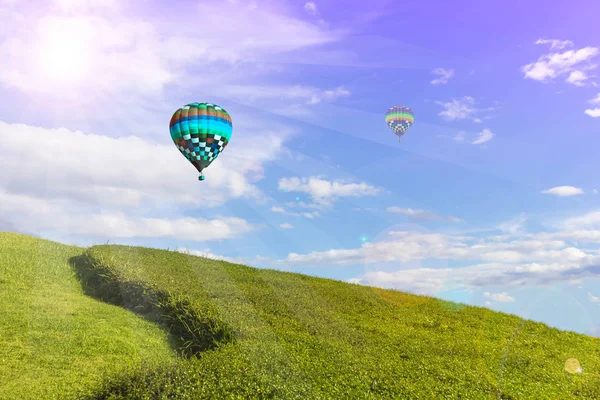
x=65, y=50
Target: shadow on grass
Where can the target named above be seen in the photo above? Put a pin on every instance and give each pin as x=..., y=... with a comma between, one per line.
x=190, y=333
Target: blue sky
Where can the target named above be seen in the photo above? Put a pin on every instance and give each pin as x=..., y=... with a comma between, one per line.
x=491, y=199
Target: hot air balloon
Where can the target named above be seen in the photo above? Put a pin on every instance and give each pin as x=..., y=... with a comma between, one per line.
x=201, y=131
x=399, y=119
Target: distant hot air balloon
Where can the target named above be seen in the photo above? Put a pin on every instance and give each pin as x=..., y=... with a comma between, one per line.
x=201, y=131
x=399, y=119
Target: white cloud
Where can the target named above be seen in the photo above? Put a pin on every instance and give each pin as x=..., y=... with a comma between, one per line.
x=555, y=44
x=116, y=51
x=404, y=246
x=511, y=260
x=577, y=78
x=63, y=163
x=281, y=210
x=484, y=136
x=444, y=75
x=311, y=7
x=413, y=213
x=553, y=65
x=114, y=67
x=501, y=297
x=432, y=280
x=488, y=303
x=122, y=53
x=593, y=299
x=325, y=192
x=459, y=109
x=421, y=214
x=595, y=100
x=330, y=95
x=590, y=220
x=594, y=112
x=65, y=217
x=286, y=226
x=302, y=204
x=564, y=191
x=329, y=257
x=580, y=235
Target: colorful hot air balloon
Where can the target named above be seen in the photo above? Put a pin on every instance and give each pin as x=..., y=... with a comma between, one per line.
x=201, y=131
x=399, y=119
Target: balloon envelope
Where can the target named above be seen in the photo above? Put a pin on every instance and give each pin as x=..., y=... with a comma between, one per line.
x=201, y=131
x=399, y=119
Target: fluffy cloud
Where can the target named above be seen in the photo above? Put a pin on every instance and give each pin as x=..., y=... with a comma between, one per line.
x=311, y=8
x=459, y=109
x=59, y=163
x=94, y=186
x=501, y=297
x=590, y=220
x=67, y=218
x=403, y=246
x=484, y=136
x=86, y=53
x=511, y=260
x=432, y=280
x=309, y=215
x=555, y=44
x=286, y=226
x=564, y=191
x=330, y=95
x=444, y=75
x=323, y=191
x=594, y=112
x=573, y=63
x=593, y=299
x=577, y=78
x=93, y=49
x=96, y=65
x=421, y=214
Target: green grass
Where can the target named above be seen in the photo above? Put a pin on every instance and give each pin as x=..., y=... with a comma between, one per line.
x=56, y=342
x=117, y=322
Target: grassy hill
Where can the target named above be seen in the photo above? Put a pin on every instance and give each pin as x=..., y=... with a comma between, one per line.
x=117, y=322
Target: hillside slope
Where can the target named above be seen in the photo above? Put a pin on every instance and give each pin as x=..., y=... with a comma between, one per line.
x=56, y=342
x=242, y=332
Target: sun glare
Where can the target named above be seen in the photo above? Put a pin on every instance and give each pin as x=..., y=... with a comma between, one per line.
x=65, y=54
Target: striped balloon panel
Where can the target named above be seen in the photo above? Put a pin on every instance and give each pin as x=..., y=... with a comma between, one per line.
x=201, y=131
x=399, y=119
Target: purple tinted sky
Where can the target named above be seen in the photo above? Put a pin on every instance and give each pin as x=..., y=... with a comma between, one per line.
x=313, y=180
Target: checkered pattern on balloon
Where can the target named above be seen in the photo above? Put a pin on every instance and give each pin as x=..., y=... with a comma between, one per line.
x=201, y=131
x=399, y=119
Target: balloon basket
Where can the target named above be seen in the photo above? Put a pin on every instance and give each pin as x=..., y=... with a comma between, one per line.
x=201, y=178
